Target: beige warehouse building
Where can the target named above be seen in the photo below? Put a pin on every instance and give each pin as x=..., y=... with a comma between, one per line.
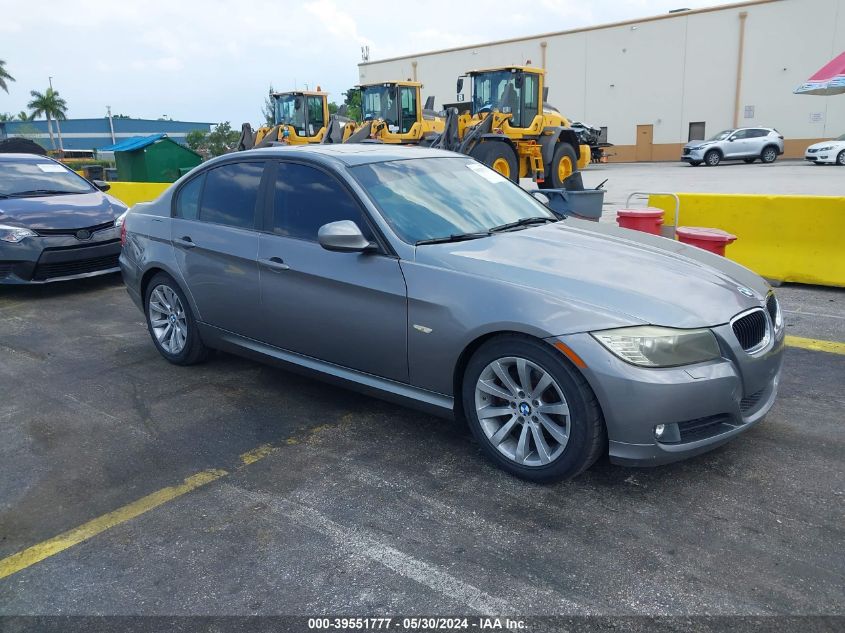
x=655, y=83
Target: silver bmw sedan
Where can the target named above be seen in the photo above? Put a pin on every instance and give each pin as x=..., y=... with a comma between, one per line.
x=423, y=277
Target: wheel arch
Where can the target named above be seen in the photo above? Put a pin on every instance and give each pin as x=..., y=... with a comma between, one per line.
x=152, y=271
x=475, y=344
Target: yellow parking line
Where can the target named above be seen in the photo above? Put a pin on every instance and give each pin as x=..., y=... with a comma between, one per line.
x=45, y=549
x=816, y=345
x=250, y=457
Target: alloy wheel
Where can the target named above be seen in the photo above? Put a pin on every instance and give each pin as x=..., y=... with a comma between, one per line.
x=769, y=155
x=522, y=411
x=167, y=319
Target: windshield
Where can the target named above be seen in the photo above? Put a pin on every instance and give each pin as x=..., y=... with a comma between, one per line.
x=379, y=102
x=434, y=198
x=290, y=110
x=45, y=177
x=721, y=136
x=841, y=138
x=499, y=91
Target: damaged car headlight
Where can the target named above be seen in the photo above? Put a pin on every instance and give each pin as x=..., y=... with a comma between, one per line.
x=652, y=346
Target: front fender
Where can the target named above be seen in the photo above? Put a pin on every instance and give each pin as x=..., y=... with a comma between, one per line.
x=448, y=310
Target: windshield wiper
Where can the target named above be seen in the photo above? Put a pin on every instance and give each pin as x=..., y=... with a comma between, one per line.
x=522, y=222
x=458, y=237
x=39, y=192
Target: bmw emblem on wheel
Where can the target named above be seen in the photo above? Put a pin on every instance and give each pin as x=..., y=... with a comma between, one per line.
x=524, y=409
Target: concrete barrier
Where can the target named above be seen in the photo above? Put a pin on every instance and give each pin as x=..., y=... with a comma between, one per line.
x=130, y=193
x=784, y=238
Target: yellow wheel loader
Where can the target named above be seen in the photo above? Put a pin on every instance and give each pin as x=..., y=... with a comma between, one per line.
x=507, y=126
x=392, y=112
x=299, y=116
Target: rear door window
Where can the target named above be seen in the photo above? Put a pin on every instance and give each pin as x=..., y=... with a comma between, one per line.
x=230, y=195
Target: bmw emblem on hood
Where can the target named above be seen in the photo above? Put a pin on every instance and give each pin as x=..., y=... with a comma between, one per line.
x=746, y=291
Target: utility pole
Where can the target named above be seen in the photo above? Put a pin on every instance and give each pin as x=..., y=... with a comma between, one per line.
x=111, y=125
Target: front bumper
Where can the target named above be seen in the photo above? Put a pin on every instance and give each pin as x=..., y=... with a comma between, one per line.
x=45, y=259
x=701, y=406
x=821, y=157
x=694, y=156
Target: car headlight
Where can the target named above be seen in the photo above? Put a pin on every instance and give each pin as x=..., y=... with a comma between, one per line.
x=652, y=346
x=15, y=234
x=697, y=148
x=825, y=148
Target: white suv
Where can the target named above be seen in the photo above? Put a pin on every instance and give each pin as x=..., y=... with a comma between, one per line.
x=747, y=143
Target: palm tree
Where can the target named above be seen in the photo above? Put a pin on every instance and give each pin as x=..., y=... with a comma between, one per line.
x=51, y=105
x=23, y=115
x=4, y=76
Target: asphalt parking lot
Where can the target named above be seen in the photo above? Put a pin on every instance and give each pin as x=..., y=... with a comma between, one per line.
x=783, y=177
x=302, y=498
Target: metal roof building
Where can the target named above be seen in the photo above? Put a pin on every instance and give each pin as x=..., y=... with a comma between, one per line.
x=91, y=134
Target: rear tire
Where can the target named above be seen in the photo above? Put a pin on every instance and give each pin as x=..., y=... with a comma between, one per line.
x=564, y=164
x=536, y=432
x=498, y=156
x=712, y=158
x=769, y=154
x=171, y=323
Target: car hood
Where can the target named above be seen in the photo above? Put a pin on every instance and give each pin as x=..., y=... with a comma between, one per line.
x=833, y=144
x=640, y=277
x=700, y=143
x=72, y=211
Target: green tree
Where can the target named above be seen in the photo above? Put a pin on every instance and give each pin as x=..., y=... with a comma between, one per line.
x=221, y=140
x=6, y=116
x=24, y=116
x=333, y=107
x=4, y=76
x=51, y=105
x=352, y=99
x=268, y=110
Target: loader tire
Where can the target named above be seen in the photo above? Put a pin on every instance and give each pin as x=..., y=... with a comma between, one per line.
x=498, y=156
x=564, y=164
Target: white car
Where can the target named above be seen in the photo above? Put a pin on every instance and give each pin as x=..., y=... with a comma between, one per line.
x=827, y=152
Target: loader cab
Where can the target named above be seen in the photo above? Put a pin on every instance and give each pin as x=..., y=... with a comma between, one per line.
x=397, y=104
x=305, y=113
x=516, y=91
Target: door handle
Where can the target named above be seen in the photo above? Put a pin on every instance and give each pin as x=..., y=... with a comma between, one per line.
x=274, y=263
x=185, y=241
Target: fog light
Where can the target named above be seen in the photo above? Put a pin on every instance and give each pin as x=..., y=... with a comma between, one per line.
x=659, y=430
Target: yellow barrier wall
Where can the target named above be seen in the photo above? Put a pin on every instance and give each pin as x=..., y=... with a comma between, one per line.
x=786, y=238
x=130, y=193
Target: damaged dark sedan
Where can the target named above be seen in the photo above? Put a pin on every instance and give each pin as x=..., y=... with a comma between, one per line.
x=54, y=224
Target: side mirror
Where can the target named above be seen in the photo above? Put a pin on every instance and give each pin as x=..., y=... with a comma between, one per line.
x=460, y=86
x=731, y=139
x=343, y=236
x=101, y=185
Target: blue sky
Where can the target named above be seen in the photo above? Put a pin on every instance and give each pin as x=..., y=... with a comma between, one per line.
x=213, y=60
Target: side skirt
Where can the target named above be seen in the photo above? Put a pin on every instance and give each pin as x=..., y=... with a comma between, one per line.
x=397, y=392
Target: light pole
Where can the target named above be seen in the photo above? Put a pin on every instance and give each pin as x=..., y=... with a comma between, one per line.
x=111, y=125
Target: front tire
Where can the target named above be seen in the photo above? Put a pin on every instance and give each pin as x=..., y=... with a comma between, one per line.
x=840, y=158
x=564, y=164
x=171, y=323
x=769, y=155
x=712, y=158
x=531, y=412
x=498, y=156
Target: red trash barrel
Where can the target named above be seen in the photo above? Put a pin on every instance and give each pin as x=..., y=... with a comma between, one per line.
x=713, y=240
x=647, y=220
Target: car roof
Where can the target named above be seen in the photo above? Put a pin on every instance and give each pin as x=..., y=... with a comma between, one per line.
x=350, y=154
x=23, y=158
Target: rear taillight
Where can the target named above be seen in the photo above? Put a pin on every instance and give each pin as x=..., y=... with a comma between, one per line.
x=123, y=234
